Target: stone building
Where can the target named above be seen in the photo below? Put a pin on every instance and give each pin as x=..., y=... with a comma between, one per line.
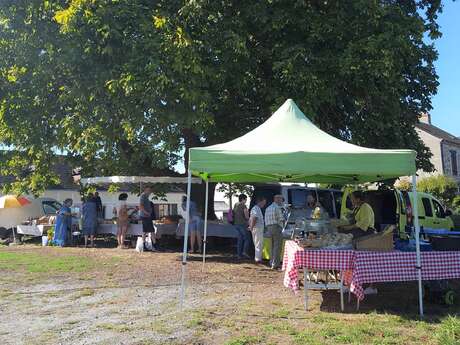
x=444, y=146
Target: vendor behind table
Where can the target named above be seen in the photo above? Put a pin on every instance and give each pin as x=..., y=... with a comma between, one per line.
x=362, y=219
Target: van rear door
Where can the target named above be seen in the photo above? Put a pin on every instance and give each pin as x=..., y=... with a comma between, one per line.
x=427, y=218
x=346, y=206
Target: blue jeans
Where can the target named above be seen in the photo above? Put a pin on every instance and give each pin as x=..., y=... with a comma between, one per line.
x=243, y=240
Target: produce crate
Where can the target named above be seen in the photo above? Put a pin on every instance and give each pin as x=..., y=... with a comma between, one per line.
x=380, y=242
x=445, y=243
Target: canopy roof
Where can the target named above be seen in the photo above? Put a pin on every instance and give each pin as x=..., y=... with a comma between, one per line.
x=288, y=147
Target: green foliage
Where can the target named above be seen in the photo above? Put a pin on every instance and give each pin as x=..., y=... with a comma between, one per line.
x=234, y=189
x=124, y=87
x=456, y=204
x=449, y=331
x=442, y=187
x=404, y=185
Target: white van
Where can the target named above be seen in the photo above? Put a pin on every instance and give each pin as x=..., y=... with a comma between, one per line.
x=296, y=195
x=39, y=207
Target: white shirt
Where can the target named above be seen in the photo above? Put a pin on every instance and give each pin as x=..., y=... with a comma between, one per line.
x=257, y=213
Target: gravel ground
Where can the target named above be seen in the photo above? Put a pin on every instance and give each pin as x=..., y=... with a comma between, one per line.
x=132, y=298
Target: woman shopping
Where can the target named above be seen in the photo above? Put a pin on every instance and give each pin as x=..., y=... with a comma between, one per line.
x=63, y=223
x=89, y=215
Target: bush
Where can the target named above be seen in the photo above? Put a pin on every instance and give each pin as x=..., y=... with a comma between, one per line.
x=442, y=187
x=456, y=204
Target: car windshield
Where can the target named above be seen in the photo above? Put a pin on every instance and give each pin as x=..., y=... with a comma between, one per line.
x=51, y=207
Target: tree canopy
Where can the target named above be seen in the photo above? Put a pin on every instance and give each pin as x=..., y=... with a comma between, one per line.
x=125, y=87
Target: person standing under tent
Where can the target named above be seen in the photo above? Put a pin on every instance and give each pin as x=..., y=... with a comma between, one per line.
x=146, y=211
x=122, y=219
x=63, y=223
x=274, y=223
x=89, y=218
x=361, y=224
x=194, y=224
x=98, y=201
x=240, y=220
x=256, y=226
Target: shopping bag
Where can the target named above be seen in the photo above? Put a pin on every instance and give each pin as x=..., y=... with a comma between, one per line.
x=149, y=243
x=139, y=245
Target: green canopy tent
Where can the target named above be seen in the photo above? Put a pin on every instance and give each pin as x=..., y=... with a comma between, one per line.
x=288, y=147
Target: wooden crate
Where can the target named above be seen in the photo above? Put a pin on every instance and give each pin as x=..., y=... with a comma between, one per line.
x=380, y=242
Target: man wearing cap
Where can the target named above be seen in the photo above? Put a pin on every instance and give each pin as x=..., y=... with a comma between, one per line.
x=274, y=222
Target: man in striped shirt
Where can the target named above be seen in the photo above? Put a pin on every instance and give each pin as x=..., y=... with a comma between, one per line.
x=274, y=222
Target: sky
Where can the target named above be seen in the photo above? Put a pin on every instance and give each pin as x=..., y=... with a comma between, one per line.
x=446, y=103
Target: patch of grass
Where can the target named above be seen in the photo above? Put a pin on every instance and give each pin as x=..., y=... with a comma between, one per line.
x=37, y=263
x=244, y=340
x=278, y=328
x=44, y=338
x=281, y=313
x=115, y=327
x=448, y=332
x=161, y=327
x=197, y=319
x=85, y=292
x=367, y=329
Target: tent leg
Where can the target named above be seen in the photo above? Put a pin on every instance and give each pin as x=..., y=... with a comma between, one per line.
x=184, y=254
x=205, y=224
x=417, y=243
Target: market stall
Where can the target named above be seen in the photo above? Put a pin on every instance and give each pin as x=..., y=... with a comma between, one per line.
x=288, y=147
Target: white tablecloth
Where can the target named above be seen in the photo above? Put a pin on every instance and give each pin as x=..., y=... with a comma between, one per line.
x=33, y=230
x=136, y=229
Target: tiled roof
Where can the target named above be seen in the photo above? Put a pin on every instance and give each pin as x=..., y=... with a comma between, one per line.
x=438, y=133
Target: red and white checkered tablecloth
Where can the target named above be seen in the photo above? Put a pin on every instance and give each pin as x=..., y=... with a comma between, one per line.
x=296, y=257
x=375, y=267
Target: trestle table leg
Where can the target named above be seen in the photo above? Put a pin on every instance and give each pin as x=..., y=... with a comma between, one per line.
x=305, y=287
x=342, y=307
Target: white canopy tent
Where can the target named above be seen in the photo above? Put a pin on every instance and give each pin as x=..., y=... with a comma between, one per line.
x=288, y=147
x=137, y=179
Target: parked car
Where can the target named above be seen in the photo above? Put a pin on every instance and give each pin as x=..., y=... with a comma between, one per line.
x=39, y=207
x=393, y=206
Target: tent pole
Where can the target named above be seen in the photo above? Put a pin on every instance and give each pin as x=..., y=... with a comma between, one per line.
x=417, y=243
x=205, y=224
x=184, y=253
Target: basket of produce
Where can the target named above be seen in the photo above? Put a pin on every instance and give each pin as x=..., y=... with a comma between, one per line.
x=379, y=242
x=326, y=241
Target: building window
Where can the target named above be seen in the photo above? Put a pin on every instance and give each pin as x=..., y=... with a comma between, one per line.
x=453, y=160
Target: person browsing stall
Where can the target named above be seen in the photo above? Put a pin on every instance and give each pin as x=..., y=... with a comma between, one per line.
x=194, y=225
x=63, y=223
x=363, y=220
x=98, y=201
x=146, y=210
x=274, y=222
x=256, y=226
x=122, y=219
x=89, y=218
x=240, y=219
